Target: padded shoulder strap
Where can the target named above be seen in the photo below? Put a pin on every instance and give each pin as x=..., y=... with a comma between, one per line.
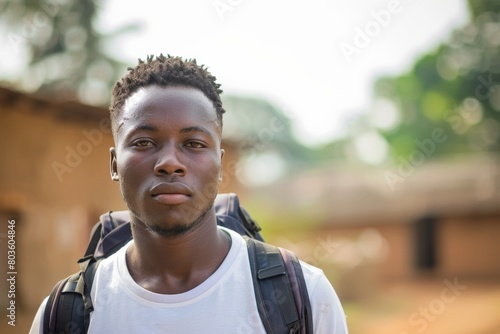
x=50, y=312
x=280, y=302
x=299, y=290
x=94, y=239
x=64, y=308
x=69, y=304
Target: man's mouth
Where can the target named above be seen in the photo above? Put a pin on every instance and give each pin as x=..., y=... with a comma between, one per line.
x=170, y=193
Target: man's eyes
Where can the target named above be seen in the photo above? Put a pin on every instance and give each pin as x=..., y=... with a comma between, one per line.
x=149, y=143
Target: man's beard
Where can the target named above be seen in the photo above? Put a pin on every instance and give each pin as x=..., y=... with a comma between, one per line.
x=175, y=231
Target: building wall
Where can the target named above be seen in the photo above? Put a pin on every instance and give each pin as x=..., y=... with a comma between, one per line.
x=356, y=258
x=469, y=247
x=360, y=257
x=54, y=208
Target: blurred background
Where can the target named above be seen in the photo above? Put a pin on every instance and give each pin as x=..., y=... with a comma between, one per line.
x=363, y=135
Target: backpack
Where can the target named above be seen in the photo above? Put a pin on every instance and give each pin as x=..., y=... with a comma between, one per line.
x=278, y=280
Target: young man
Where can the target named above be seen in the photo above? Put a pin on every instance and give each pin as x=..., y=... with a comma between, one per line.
x=181, y=273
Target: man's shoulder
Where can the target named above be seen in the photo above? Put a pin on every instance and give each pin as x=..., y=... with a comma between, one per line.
x=112, y=262
x=311, y=270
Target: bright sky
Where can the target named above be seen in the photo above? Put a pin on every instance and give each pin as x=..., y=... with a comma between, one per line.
x=290, y=52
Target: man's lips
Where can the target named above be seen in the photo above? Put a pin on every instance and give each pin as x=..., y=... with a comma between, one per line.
x=170, y=193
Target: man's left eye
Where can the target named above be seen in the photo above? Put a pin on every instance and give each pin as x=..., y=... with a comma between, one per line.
x=195, y=144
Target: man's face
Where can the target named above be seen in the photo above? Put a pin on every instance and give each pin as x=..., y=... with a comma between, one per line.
x=168, y=157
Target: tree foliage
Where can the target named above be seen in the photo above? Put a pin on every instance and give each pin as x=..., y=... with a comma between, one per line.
x=66, y=52
x=455, y=88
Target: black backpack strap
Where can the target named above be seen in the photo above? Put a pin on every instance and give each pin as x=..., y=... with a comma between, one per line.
x=94, y=239
x=281, y=311
x=50, y=312
x=299, y=290
x=63, y=308
x=69, y=304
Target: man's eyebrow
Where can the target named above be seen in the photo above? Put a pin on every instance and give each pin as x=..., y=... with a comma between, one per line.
x=147, y=127
x=140, y=127
x=195, y=128
x=154, y=128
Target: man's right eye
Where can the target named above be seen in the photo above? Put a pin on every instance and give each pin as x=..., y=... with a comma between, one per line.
x=142, y=143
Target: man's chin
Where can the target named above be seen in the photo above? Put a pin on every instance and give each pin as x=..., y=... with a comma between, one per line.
x=171, y=231
x=178, y=229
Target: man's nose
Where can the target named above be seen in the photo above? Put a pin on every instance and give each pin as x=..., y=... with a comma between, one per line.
x=169, y=163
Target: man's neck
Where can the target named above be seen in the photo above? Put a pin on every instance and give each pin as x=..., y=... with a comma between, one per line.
x=176, y=264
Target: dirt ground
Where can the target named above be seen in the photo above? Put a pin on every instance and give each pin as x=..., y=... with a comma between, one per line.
x=448, y=306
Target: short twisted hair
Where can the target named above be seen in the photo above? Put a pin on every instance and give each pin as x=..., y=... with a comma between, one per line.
x=166, y=71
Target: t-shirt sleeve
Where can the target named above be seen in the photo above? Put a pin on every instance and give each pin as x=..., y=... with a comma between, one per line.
x=328, y=314
x=37, y=325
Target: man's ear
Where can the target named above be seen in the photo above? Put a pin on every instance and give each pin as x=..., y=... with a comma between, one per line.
x=113, y=167
x=221, y=156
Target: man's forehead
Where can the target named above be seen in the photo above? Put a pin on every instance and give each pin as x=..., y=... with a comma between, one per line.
x=167, y=94
x=140, y=105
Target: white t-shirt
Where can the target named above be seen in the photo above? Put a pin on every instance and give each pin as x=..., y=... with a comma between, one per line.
x=223, y=304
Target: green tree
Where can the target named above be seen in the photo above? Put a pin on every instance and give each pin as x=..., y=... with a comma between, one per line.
x=66, y=53
x=456, y=89
x=260, y=128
